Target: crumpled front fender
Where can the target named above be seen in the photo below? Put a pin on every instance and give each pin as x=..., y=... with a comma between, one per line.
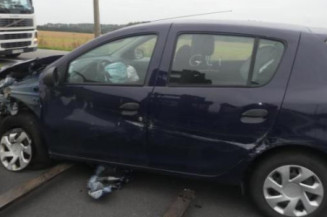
x=19, y=87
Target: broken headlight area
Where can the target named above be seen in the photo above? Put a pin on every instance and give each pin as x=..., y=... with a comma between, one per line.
x=6, y=92
x=5, y=83
x=7, y=107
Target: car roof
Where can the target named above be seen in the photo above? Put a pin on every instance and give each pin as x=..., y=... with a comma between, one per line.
x=239, y=23
x=320, y=31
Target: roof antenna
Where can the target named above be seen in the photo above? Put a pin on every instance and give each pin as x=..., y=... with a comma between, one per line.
x=194, y=15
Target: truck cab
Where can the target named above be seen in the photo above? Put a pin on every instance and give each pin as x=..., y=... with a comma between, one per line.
x=17, y=27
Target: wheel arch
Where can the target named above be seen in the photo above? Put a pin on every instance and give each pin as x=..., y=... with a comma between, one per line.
x=24, y=109
x=30, y=123
x=290, y=148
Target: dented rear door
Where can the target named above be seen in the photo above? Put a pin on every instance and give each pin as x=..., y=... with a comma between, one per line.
x=205, y=116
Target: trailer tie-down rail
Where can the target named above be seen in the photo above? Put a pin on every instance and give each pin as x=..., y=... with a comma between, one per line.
x=15, y=194
x=180, y=205
x=177, y=209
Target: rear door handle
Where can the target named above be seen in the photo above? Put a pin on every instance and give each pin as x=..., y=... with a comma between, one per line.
x=254, y=116
x=129, y=109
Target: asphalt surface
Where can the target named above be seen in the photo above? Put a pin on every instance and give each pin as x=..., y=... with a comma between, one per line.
x=148, y=195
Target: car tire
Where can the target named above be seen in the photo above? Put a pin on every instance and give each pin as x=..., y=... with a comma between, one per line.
x=21, y=144
x=290, y=184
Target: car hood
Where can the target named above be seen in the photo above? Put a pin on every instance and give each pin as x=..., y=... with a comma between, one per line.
x=22, y=72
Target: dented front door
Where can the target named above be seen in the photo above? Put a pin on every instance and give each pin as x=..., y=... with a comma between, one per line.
x=97, y=113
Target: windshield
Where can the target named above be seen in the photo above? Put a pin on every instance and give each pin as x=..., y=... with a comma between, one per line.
x=16, y=7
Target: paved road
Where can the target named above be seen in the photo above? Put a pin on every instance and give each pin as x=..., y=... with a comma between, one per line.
x=148, y=195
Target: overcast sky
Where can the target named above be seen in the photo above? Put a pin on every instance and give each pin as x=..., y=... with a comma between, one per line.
x=304, y=12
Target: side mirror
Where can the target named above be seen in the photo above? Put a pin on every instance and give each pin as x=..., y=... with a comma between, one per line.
x=51, y=77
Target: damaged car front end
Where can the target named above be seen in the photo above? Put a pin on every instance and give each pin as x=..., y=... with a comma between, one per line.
x=19, y=86
x=20, y=110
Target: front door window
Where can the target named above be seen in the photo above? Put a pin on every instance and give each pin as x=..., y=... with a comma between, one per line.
x=121, y=62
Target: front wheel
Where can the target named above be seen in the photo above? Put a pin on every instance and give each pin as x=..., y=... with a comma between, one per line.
x=290, y=184
x=21, y=143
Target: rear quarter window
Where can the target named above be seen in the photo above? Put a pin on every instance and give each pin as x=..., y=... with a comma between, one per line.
x=267, y=60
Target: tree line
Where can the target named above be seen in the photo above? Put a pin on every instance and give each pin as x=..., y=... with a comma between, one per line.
x=82, y=27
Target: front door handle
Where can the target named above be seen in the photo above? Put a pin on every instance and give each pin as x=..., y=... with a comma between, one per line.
x=129, y=109
x=254, y=116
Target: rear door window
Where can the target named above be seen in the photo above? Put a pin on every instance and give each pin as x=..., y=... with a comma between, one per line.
x=221, y=60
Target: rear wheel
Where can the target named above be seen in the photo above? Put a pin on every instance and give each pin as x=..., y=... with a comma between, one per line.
x=21, y=144
x=290, y=184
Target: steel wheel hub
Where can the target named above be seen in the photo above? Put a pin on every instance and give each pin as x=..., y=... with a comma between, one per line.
x=293, y=191
x=15, y=150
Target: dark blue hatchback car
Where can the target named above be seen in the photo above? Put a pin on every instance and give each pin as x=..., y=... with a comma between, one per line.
x=240, y=103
